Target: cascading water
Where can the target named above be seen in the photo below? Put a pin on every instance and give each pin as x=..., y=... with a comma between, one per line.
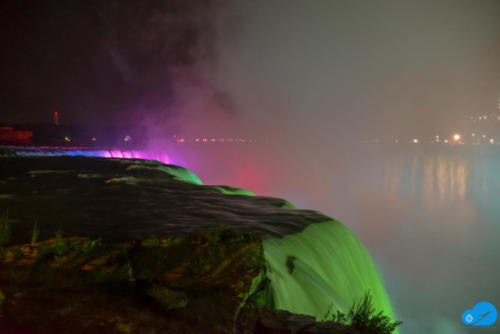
x=113, y=153
x=318, y=270
x=322, y=269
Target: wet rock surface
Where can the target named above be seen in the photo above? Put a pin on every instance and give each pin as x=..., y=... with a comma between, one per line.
x=124, y=199
x=91, y=245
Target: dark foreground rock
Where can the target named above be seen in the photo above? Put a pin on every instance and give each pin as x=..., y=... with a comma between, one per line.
x=119, y=200
x=91, y=245
x=192, y=284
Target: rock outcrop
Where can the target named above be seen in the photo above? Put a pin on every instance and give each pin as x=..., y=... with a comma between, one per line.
x=93, y=245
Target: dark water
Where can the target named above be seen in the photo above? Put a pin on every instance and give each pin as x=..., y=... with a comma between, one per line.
x=430, y=217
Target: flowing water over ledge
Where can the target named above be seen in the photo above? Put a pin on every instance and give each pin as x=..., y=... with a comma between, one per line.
x=315, y=263
x=88, y=152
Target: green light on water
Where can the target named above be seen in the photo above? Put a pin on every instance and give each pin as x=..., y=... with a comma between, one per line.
x=181, y=174
x=234, y=191
x=323, y=268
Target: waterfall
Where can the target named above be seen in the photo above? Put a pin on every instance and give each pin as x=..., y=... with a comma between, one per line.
x=113, y=153
x=319, y=270
x=322, y=268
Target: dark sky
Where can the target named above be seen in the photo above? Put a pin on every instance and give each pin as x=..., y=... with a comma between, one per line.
x=306, y=66
x=95, y=59
x=358, y=66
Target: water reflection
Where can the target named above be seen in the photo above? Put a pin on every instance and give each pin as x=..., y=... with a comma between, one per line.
x=441, y=176
x=430, y=219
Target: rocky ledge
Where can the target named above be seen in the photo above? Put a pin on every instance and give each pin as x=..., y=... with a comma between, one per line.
x=92, y=245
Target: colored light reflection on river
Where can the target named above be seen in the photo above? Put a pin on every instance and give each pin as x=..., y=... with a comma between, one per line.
x=73, y=151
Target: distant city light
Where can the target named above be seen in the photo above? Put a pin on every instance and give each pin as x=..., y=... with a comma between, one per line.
x=127, y=139
x=492, y=141
x=415, y=141
x=446, y=141
x=94, y=139
x=473, y=134
x=67, y=139
x=456, y=137
x=484, y=136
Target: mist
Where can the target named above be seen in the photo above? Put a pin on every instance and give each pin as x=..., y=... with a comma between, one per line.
x=314, y=84
x=310, y=81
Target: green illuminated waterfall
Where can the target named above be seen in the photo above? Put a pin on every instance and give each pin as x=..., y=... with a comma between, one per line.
x=324, y=267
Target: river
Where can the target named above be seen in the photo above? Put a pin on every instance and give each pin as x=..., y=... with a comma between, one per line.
x=429, y=216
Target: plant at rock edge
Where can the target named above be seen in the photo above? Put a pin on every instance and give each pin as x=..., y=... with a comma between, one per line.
x=60, y=247
x=4, y=229
x=35, y=234
x=362, y=316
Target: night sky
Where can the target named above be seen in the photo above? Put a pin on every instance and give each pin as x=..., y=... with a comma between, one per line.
x=95, y=60
x=309, y=80
x=315, y=67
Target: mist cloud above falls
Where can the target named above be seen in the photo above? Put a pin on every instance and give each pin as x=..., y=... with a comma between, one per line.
x=308, y=78
x=164, y=55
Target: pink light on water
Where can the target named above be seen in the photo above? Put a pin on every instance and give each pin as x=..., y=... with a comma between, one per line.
x=76, y=151
x=164, y=158
x=136, y=155
x=116, y=154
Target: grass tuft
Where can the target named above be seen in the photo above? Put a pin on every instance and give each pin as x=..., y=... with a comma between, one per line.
x=151, y=242
x=363, y=317
x=91, y=245
x=35, y=234
x=60, y=247
x=4, y=229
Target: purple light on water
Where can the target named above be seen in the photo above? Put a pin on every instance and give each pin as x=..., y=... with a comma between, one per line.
x=135, y=155
x=116, y=154
x=59, y=151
